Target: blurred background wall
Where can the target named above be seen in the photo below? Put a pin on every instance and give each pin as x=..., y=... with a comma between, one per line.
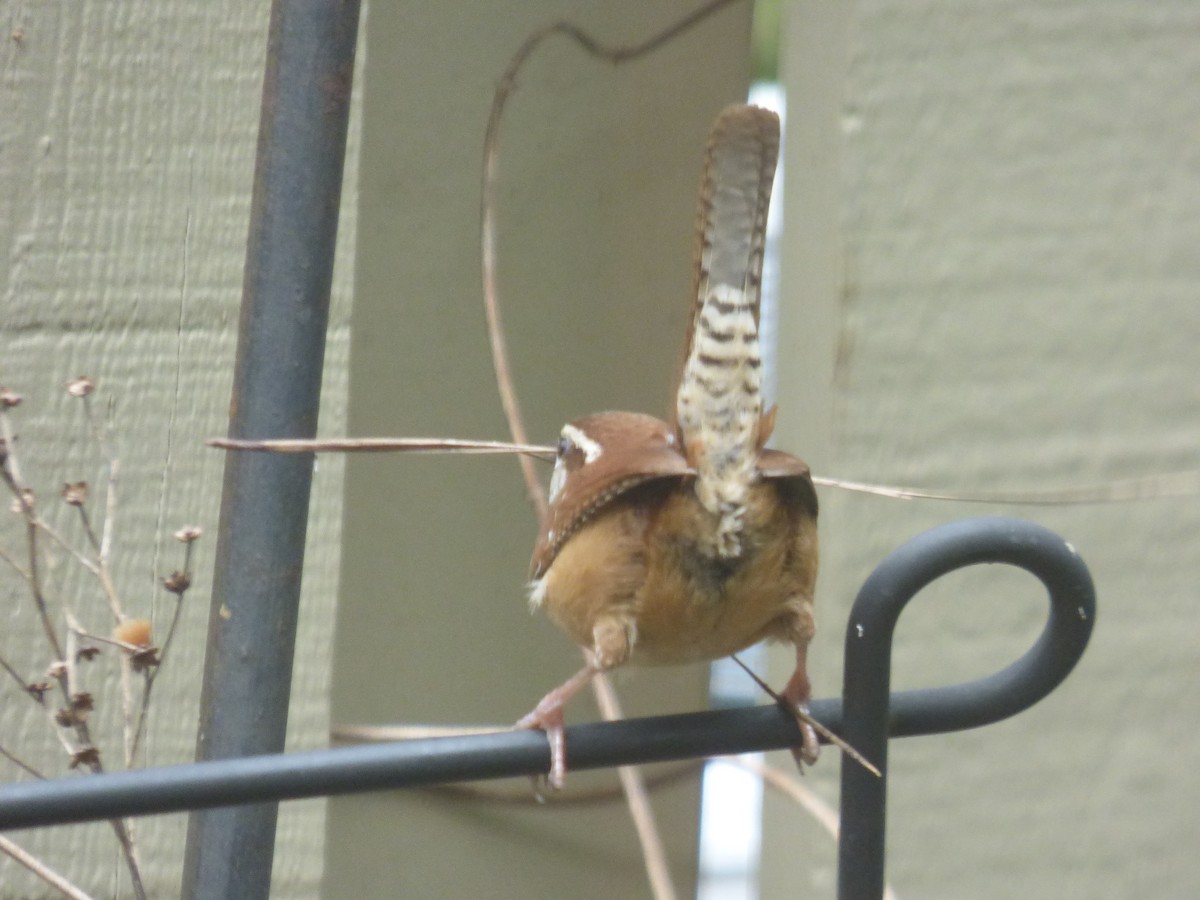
x=995, y=204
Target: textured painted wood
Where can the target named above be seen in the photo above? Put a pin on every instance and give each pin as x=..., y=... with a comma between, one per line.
x=1016, y=196
x=125, y=175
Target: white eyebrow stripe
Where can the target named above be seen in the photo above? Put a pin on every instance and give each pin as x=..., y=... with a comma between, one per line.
x=591, y=449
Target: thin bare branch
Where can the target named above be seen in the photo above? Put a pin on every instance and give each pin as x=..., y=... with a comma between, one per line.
x=1171, y=484
x=110, y=512
x=9, y=445
x=123, y=828
x=151, y=673
x=73, y=731
x=88, y=531
x=82, y=558
x=20, y=763
x=1146, y=487
x=803, y=716
x=491, y=164
x=75, y=631
x=42, y=871
x=71, y=657
x=112, y=466
x=638, y=801
x=8, y=468
x=16, y=566
x=14, y=674
x=384, y=445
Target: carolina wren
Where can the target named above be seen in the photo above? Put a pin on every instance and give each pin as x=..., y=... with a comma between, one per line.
x=689, y=541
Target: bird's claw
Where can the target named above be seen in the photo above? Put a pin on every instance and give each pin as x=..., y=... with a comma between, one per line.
x=810, y=748
x=551, y=721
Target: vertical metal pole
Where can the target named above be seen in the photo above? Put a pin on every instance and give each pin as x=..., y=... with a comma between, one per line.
x=277, y=381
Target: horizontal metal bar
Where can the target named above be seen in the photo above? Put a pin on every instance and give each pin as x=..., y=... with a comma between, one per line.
x=425, y=762
x=406, y=764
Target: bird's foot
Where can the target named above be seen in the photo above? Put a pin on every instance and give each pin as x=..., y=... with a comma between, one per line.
x=550, y=720
x=548, y=716
x=810, y=748
x=795, y=696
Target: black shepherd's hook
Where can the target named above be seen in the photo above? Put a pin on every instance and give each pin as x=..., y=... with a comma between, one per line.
x=866, y=716
x=871, y=714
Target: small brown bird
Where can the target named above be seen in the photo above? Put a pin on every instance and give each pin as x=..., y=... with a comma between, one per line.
x=686, y=542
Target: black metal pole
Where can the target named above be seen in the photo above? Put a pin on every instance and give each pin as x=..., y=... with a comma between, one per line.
x=264, y=506
x=871, y=714
x=408, y=764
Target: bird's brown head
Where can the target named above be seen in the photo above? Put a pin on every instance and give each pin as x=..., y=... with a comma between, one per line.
x=599, y=458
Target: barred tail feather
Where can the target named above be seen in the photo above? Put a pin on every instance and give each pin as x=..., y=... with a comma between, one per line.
x=719, y=404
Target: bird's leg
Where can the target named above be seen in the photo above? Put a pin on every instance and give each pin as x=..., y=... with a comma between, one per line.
x=797, y=693
x=548, y=716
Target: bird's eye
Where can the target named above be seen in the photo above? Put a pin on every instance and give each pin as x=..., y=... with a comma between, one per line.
x=565, y=446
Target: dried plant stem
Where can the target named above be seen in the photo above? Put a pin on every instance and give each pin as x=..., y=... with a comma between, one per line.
x=7, y=468
x=804, y=717
x=6, y=435
x=13, y=673
x=75, y=631
x=41, y=870
x=99, y=566
x=1146, y=487
x=152, y=672
x=491, y=165
x=70, y=658
x=20, y=763
x=123, y=830
x=636, y=797
x=383, y=445
x=16, y=566
x=64, y=670
x=55, y=535
x=112, y=466
x=102, y=546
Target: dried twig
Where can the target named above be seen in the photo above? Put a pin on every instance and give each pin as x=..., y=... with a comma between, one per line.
x=99, y=565
x=1146, y=487
x=20, y=763
x=70, y=721
x=43, y=871
x=23, y=498
x=14, y=674
x=384, y=445
x=640, y=810
x=16, y=566
x=803, y=716
x=491, y=164
x=177, y=584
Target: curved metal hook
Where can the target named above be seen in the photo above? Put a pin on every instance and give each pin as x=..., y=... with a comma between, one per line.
x=871, y=715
